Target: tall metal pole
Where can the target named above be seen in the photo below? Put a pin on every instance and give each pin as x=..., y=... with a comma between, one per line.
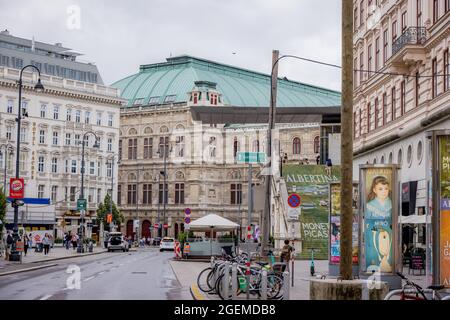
x=82, y=213
x=164, y=189
x=111, y=196
x=272, y=114
x=137, y=206
x=159, y=215
x=346, y=141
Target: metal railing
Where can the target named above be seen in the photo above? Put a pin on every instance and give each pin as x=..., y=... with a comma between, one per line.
x=412, y=35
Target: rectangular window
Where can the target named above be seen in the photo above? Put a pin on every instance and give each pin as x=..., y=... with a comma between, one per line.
x=361, y=67
x=132, y=149
x=68, y=138
x=131, y=199
x=74, y=166
x=9, y=133
x=119, y=194
x=377, y=53
x=179, y=146
x=361, y=13
x=147, y=194
x=435, y=78
x=148, y=148
x=78, y=116
x=110, y=120
x=153, y=100
x=54, y=194
x=120, y=150
x=41, y=136
x=55, y=112
x=166, y=193
x=385, y=46
x=99, y=169
x=394, y=31
x=91, y=195
x=402, y=98
x=77, y=139
x=355, y=19
x=419, y=13
x=163, y=147
x=10, y=106
x=24, y=108
x=179, y=193
x=393, y=103
x=368, y=118
x=99, y=195
x=110, y=144
x=69, y=115
x=109, y=169
x=354, y=125
x=92, y=168
x=87, y=117
x=43, y=110
x=446, y=71
x=72, y=193
x=23, y=161
x=384, y=108
x=55, y=138
x=23, y=134
x=435, y=11
x=417, y=85
x=404, y=22
x=41, y=164
x=376, y=113
x=99, y=118
x=41, y=191
x=170, y=99
x=236, y=193
x=369, y=60
x=355, y=73
x=54, y=165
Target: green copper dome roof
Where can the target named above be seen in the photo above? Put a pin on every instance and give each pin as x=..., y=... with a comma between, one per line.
x=172, y=80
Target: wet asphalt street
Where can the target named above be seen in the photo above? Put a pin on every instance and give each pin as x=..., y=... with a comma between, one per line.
x=142, y=275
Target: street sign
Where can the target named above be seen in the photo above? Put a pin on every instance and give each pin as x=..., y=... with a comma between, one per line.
x=136, y=223
x=251, y=157
x=17, y=187
x=294, y=213
x=156, y=226
x=294, y=200
x=187, y=211
x=187, y=220
x=166, y=225
x=81, y=204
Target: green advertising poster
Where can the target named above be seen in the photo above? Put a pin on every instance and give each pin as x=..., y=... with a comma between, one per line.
x=311, y=183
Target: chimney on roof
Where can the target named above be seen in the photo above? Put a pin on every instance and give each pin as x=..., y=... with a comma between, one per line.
x=5, y=32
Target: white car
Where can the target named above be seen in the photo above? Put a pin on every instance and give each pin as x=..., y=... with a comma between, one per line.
x=167, y=244
x=117, y=241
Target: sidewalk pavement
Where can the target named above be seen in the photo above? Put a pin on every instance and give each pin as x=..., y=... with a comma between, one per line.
x=187, y=272
x=32, y=258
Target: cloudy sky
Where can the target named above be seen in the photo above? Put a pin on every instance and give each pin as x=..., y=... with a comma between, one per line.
x=120, y=35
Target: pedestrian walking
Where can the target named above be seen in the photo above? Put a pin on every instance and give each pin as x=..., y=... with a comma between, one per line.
x=318, y=160
x=26, y=242
x=328, y=166
x=46, y=243
x=67, y=241
x=74, y=241
x=286, y=253
x=8, y=241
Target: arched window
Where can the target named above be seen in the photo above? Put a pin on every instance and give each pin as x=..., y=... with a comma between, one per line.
x=256, y=146
x=296, y=147
x=235, y=147
x=316, y=144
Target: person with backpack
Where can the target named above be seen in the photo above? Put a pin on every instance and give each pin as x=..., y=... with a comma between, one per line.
x=9, y=243
x=286, y=253
x=328, y=166
x=46, y=242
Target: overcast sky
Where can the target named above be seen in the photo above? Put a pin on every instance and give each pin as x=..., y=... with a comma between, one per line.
x=118, y=36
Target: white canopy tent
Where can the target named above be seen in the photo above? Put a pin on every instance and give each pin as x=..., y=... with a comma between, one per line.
x=213, y=222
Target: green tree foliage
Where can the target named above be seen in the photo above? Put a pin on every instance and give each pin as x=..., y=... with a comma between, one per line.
x=103, y=210
x=3, y=205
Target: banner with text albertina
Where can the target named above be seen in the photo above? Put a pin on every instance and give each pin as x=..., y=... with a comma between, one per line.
x=311, y=183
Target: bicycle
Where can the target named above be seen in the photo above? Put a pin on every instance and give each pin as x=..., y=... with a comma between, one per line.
x=412, y=291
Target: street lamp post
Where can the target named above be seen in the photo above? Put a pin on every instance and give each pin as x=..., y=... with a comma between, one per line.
x=6, y=146
x=164, y=173
x=83, y=141
x=15, y=255
x=111, y=224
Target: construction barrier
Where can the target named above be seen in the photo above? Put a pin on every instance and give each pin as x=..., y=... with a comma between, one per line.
x=177, y=250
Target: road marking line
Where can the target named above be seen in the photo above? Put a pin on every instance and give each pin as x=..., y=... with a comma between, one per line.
x=90, y=278
x=45, y=297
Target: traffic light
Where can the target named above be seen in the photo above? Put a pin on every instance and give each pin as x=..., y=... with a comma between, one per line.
x=17, y=203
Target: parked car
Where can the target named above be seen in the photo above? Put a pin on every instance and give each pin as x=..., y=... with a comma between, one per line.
x=156, y=241
x=117, y=241
x=167, y=244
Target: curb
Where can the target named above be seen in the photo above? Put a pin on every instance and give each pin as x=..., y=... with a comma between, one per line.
x=28, y=269
x=69, y=257
x=196, y=294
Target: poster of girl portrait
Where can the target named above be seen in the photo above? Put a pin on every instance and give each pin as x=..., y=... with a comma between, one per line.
x=378, y=221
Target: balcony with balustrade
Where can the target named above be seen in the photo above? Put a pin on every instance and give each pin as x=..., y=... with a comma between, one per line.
x=409, y=48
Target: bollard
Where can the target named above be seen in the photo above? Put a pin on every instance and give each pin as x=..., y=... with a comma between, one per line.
x=292, y=272
x=286, y=286
x=226, y=281
x=264, y=285
x=234, y=281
